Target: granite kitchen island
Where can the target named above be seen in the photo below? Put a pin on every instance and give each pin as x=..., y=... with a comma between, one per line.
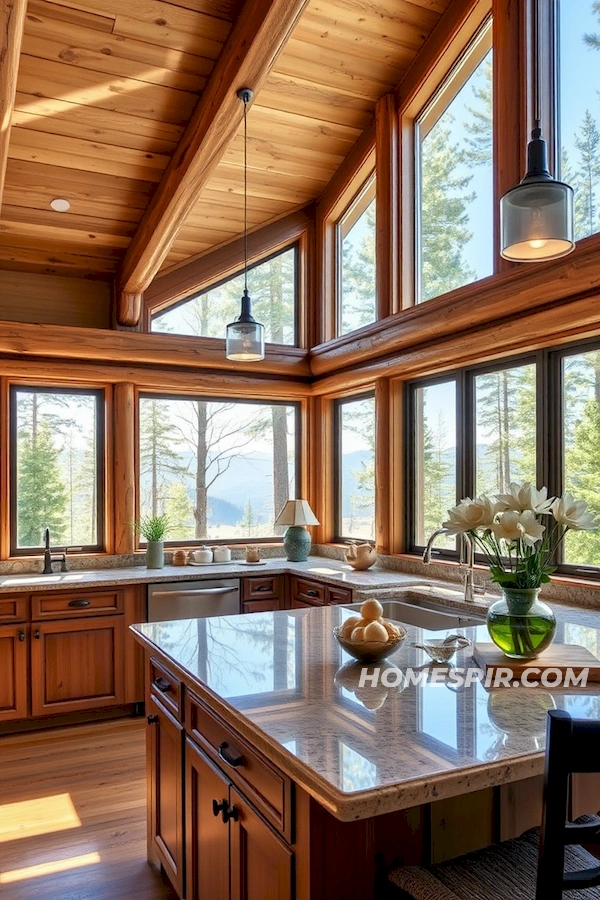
x=312, y=776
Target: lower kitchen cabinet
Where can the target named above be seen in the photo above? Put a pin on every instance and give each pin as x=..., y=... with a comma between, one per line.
x=231, y=852
x=77, y=664
x=164, y=751
x=13, y=666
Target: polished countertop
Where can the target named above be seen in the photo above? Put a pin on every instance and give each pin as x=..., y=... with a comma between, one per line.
x=328, y=570
x=282, y=681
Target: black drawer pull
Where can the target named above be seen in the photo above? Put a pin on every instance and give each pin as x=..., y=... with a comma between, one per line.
x=37, y=635
x=263, y=587
x=162, y=685
x=21, y=635
x=79, y=604
x=227, y=757
x=219, y=807
x=152, y=720
x=312, y=593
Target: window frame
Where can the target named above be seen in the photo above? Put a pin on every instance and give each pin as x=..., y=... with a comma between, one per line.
x=338, y=405
x=343, y=225
x=211, y=398
x=213, y=285
x=472, y=55
x=101, y=464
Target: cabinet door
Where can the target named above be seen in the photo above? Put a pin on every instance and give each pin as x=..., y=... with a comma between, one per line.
x=207, y=835
x=13, y=666
x=261, y=863
x=252, y=606
x=76, y=664
x=165, y=792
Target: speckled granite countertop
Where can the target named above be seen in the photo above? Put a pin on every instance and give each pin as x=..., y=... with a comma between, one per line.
x=328, y=570
x=285, y=684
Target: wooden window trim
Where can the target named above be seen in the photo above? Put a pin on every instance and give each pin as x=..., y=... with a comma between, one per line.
x=198, y=393
x=104, y=476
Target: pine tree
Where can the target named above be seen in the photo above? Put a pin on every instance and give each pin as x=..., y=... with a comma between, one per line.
x=42, y=498
x=159, y=461
x=178, y=509
x=588, y=177
x=479, y=150
x=593, y=40
x=358, y=275
x=444, y=215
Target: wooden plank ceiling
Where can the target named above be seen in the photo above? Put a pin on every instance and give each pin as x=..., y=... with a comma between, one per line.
x=106, y=87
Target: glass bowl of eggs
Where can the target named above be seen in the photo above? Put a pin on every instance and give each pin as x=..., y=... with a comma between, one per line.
x=369, y=637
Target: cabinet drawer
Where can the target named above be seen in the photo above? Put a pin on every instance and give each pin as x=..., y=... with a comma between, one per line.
x=13, y=608
x=167, y=687
x=310, y=591
x=76, y=603
x=256, y=588
x=267, y=788
x=337, y=595
x=253, y=606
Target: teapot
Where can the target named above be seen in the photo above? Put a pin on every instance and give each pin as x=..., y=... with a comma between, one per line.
x=361, y=556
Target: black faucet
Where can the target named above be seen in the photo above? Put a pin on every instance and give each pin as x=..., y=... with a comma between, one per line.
x=49, y=559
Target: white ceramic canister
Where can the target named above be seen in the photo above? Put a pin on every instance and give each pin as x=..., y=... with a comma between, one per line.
x=203, y=555
x=221, y=554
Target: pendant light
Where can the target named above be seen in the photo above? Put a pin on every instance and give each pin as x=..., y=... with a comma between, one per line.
x=536, y=216
x=245, y=338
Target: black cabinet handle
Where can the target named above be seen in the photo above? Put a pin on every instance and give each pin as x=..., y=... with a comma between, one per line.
x=263, y=587
x=21, y=635
x=79, y=604
x=152, y=720
x=37, y=635
x=219, y=807
x=229, y=758
x=313, y=593
x=231, y=812
x=162, y=685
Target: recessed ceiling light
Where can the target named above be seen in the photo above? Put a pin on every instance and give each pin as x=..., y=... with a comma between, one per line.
x=60, y=205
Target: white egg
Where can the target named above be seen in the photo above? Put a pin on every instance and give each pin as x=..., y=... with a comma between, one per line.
x=349, y=626
x=371, y=609
x=358, y=635
x=376, y=632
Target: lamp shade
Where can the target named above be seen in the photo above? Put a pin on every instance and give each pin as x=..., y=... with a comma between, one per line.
x=536, y=216
x=296, y=512
x=245, y=338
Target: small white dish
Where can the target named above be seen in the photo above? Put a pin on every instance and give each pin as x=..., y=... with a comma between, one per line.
x=228, y=563
x=260, y=562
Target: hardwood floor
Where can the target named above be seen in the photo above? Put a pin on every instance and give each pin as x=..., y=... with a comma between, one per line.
x=73, y=815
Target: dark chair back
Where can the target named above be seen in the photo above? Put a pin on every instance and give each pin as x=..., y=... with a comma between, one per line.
x=573, y=745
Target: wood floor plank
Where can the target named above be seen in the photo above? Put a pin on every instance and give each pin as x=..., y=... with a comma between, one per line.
x=73, y=800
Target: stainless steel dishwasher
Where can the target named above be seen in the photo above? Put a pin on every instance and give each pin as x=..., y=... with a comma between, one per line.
x=169, y=600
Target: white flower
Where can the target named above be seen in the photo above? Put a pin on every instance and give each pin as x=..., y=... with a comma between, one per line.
x=524, y=496
x=470, y=515
x=513, y=526
x=573, y=513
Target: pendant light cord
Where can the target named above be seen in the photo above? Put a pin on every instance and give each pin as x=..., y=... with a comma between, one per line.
x=537, y=103
x=245, y=195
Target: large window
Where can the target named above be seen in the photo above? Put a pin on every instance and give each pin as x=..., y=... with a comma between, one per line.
x=219, y=469
x=356, y=262
x=454, y=180
x=355, y=461
x=273, y=287
x=57, y=467
x=470, y=434
x=579, y=108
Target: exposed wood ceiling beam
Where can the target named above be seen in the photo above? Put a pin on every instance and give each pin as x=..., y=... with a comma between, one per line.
x=12, y=22
x=257, y=37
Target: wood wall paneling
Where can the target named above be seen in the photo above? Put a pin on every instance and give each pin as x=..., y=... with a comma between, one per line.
x=54, y=300
x=12, y=21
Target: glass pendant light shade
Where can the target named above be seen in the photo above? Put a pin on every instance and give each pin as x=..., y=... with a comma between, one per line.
x=536, y=217
x=245, y=338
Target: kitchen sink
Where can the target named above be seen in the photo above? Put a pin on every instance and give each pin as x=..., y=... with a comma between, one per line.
x=424, y=613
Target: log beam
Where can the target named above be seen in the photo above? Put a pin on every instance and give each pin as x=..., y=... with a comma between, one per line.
x=12, y=22
x=259, y=34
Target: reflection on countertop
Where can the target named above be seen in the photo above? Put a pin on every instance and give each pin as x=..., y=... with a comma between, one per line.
x=283, y=681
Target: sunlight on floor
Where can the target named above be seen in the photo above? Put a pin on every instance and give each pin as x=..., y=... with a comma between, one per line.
x=50, y=868
x=43, y=815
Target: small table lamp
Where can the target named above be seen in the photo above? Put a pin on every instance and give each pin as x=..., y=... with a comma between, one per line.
x=296, y=540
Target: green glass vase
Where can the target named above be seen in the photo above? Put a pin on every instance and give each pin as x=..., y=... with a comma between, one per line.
x=520, y=624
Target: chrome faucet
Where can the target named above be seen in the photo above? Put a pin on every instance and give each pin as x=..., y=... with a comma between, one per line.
x=466, y=559
x=49, y=559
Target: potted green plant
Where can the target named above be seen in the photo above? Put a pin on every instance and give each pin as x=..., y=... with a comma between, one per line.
x=153, y=529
